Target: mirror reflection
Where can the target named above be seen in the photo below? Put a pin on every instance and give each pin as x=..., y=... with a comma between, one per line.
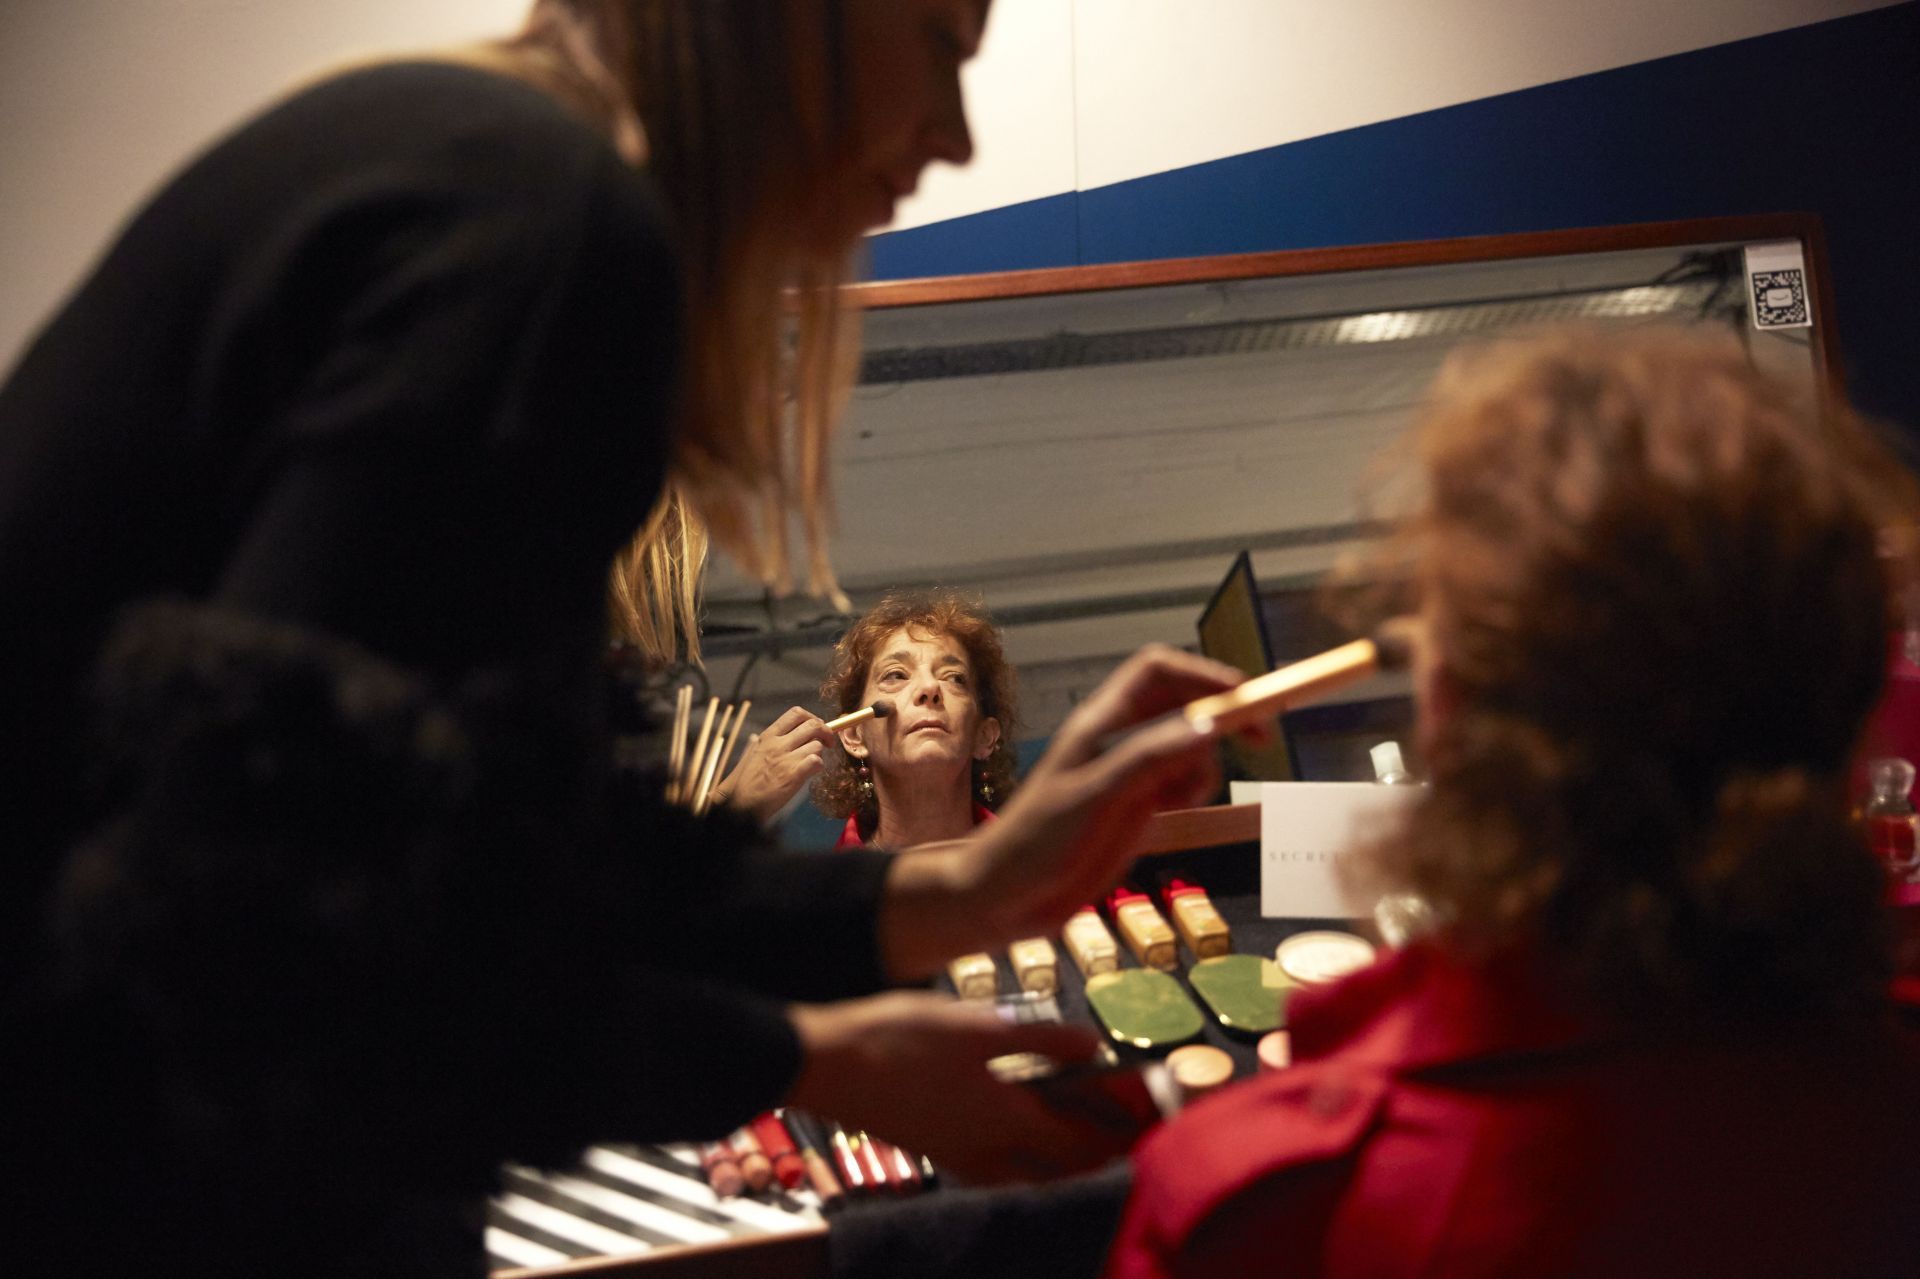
x=1091, y=460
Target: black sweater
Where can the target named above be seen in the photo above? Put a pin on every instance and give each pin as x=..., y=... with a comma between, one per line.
x=320, y=901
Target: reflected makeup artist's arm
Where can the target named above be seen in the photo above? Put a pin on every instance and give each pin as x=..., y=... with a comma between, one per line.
x=778, y=761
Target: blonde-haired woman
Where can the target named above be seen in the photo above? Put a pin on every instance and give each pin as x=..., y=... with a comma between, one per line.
x=321, y=902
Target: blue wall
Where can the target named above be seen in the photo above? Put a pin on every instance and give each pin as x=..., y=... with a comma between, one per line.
x=1824, y=118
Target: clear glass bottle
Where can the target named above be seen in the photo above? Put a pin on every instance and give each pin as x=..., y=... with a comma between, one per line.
x=1890, y=820
x=1399, y=917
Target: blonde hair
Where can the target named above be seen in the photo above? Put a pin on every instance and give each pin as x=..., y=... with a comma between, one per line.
x=729, y=103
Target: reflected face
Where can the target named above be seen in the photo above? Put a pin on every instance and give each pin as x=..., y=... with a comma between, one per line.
x=936, y=726
x=902, y=68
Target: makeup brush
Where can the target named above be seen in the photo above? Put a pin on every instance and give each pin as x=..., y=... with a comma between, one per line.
x=1266, y=696
x=690, y=766
x=677, y=756
x=1297, y=683
x=719, y=758
x=879, y=710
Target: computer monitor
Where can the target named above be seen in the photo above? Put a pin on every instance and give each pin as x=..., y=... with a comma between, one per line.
x=1254, y=632
x=1233, y=630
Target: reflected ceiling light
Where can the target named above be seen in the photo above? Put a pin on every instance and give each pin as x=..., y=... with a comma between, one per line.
x=1070, y=350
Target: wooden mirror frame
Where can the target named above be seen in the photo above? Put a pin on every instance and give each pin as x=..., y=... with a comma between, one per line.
x=1751, y=228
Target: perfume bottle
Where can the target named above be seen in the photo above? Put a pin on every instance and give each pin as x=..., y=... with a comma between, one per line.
x=1399, y=917
x=1889, y=818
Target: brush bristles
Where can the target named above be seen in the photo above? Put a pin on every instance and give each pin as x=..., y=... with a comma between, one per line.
x=881, y=709
x=1394, y=640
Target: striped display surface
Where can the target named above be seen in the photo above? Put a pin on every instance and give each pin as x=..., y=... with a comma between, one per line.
x=621, y=1201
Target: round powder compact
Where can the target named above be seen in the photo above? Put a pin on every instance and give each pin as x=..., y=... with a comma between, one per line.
x=1314, y=959
x=1199, y=1069
x=1275, y=1051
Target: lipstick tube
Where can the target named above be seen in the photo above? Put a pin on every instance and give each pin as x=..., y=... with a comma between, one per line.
x=879, y=1175
x=905, y=1173
x=1144, y=931
x=812, y=1145
x=788, y=1164
x=1197, y=920
x=853, y=1173
x=755, y=1167
x=723, y=1171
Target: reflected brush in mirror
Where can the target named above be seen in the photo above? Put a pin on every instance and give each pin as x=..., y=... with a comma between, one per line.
x=677, y=755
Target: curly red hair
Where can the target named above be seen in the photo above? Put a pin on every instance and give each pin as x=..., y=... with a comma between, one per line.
x=837, y=791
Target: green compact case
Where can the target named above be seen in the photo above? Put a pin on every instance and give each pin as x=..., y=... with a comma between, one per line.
x=1247, y=994
x=1144, y=1008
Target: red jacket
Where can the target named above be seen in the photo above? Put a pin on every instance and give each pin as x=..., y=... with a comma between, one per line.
x=1447, y=1121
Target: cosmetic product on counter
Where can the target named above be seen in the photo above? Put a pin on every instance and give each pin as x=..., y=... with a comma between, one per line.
x=755, y=1166
x=902, y=1169
x=1123, y=1096
x=1892, y=828
x=1142, y=928
x=811, y=1140
x=847, y=1161
x=879, y=1175
x=1093, y=949
x=1144, y=1008
x=1317, y=958
x=781, y=1151
x=1199, y=1069
x=1246, y=994
x=1275, y=1051
x=1196, y=920
x=1399, y=917
x=1026, y=1008
x=1389, y=767
x=1035, y=966
x=973, y=976
x=723, y=1171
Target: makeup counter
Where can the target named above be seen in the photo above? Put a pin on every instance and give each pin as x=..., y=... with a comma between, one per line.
x=649, y=1212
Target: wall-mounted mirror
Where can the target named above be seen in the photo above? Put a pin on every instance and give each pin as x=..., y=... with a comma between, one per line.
x=1089, y=448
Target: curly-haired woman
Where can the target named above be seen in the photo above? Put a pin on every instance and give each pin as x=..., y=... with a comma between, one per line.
x=1649, y=1033
x=931, y=771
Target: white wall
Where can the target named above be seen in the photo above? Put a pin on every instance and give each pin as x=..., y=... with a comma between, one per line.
x=101, y=99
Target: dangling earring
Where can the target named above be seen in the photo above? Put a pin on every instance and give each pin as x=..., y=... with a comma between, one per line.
x=866, y=783
x=985, y=788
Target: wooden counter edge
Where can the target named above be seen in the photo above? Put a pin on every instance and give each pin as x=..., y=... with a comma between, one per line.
x=793, y=1254
x=1180, y=829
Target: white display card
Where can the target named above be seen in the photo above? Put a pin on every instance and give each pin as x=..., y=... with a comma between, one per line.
x=1779, y=295
x=1305, y=829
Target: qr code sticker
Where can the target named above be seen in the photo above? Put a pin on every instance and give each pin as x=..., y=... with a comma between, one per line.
x=1779, y=299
